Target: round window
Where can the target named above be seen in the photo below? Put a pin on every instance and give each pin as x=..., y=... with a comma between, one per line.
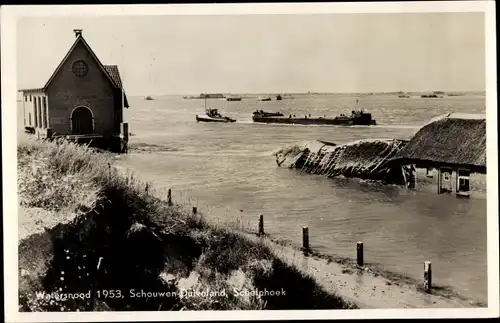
x=80, y=68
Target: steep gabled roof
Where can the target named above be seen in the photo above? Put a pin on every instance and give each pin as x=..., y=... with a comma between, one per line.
x=111, y=71
x=78, y=40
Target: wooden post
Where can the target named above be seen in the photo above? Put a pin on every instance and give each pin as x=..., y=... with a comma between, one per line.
x=147, y=188
x=125, y=131
x=359, y=256
x=261, y=225
x=427, y=276
x=195, y=210
x=305, y=238
x=49, y=133
x=169, y=197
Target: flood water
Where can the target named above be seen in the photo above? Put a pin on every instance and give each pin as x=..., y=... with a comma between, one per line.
x=228, y=171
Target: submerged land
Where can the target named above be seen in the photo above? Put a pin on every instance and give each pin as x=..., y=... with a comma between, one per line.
x=86, y=227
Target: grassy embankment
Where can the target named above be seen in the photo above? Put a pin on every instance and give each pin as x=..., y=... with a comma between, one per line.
x=145, y=244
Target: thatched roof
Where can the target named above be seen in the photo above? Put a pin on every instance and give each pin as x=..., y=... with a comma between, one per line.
x=365, y=158
x=450, y=140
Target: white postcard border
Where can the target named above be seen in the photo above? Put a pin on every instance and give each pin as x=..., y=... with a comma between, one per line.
x=9, y=15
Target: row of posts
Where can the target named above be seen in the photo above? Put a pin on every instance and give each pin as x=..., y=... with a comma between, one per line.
x=306, y=246
x=359, y=253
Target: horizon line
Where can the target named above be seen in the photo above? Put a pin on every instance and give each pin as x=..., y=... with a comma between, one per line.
x=316, y=92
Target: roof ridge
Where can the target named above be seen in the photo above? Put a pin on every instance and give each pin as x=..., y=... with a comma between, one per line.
x=94, y=56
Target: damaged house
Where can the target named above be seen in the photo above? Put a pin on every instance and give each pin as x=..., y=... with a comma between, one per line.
x=451, y=144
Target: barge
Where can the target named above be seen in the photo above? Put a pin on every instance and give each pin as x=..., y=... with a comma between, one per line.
x=360, y=118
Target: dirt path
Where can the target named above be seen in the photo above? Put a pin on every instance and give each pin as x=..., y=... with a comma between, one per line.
x=35, y=220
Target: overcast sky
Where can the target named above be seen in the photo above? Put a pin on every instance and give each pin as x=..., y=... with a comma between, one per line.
x=268, y=53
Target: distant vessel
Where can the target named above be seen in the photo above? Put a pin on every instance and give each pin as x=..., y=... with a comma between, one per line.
x=357, y=118
x=429, y=96
x=279, y=98
x=205, y=96
x=264, y=98
x=212, y=115
x=406, y=96
x=233, y=98
x=148, y=98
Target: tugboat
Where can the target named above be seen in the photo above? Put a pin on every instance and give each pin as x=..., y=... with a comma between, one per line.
x=357, y=118
x=212, y=115
x=148, y=98
x=279, y=98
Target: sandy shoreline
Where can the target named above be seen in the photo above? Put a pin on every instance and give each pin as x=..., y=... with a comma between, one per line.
x=370, y=287
x=367, y=287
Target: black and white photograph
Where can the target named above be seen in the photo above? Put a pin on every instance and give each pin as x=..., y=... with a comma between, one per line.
x=250, y=161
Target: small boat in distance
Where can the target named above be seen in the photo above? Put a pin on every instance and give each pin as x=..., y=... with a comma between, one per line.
x=279, y=98
x=212, y=115
x=264, y=98
x=149, y=98
x=233, y=98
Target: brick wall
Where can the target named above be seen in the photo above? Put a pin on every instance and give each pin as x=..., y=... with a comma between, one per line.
x=68, y=91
